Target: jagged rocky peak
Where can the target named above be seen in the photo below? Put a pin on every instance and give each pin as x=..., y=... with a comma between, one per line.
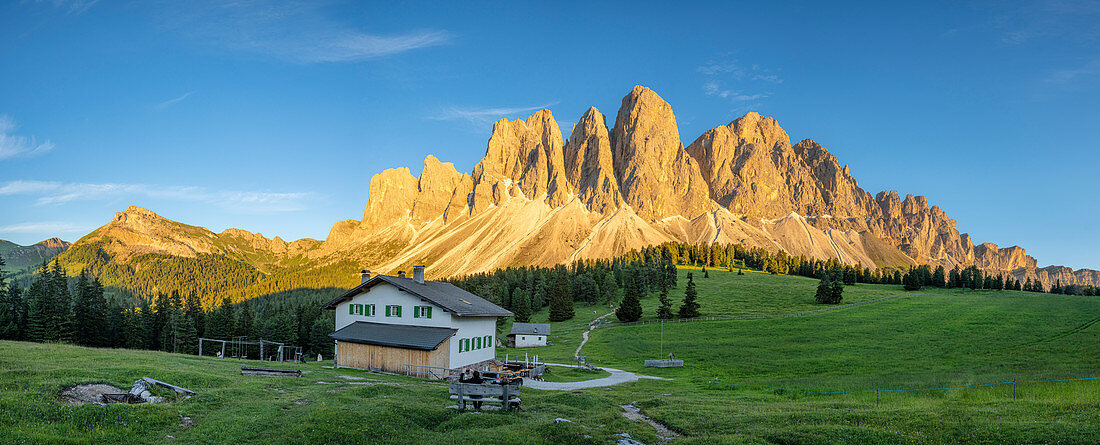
x=761, y=131
x=990, y=257
x=135, y=213
x=435, y=188
x=589, y=164
x=390, y=197
x=53, y=243
x=527, y=153
x=656, y=175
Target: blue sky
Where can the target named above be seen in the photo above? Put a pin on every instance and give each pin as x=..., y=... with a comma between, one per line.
x=272, y=117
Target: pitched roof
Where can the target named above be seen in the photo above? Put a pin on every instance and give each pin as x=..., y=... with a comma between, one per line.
x=445, y=295
x=531, y=328
x=394, y=335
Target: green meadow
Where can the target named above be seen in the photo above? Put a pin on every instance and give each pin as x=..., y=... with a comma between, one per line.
x=771, y=377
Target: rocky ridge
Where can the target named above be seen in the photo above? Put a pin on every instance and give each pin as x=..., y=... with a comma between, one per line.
x=538, y=199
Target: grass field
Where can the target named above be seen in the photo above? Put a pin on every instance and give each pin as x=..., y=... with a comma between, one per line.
x=930, y=338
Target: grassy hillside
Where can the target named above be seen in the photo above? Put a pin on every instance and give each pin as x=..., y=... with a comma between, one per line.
x=323, y=406
x=934, y=337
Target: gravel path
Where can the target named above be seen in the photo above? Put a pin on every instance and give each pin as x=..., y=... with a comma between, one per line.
x=617, y=376
x=584, y=335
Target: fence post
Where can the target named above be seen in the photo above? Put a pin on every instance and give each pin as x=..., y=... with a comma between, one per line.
x=1013, y=386
x=876, y=399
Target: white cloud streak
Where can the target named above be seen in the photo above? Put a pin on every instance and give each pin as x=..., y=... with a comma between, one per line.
x=18, y=146
x=74, y=7
x=47, y=193
x=298, y=32
x=171, y=102
x=482, y=117
x=712, y=88
x=56, y=227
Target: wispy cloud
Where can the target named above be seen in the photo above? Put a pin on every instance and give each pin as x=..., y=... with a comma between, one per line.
x=482, y=117
x=74, y=7
x=712, y=88
x=298, y=32
x=1066, y=76
x=56, y=227
x=171, y=102
x=717, y=73
x=14, y=145
x=49, y=193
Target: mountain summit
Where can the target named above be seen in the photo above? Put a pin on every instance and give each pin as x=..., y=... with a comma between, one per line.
x=538, y=199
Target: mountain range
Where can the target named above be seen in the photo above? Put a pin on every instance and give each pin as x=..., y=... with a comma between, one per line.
x=537, y=198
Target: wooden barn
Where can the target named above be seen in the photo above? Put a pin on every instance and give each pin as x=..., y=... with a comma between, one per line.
x=413, y=326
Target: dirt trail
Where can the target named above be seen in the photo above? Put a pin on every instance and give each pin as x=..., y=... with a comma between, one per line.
x=591, y=326
x=634, y=413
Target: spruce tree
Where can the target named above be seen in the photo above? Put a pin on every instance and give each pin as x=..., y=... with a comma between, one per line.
x=912, y=281
x=319, y=341
x=561, y=302
x=690, y=307
x=631, y=308
x=521, y=305
x=9, y=329
x=705, y=273
x=664, y=310
x=83, y=313
x=938, y=277
x=836, y=292
x=824, y=290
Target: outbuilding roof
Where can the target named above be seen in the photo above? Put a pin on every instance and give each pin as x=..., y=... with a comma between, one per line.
x=424, y=338
x=531, y=328
x=445, y=295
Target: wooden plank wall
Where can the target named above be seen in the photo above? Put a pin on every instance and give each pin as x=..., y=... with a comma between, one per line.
x=389, y=359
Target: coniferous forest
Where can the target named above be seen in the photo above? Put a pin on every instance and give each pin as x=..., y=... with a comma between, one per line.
x=188, y=299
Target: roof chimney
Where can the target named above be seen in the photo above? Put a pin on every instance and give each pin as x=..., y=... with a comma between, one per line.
x=418, y=274
x=400, y=274
x=365, y=274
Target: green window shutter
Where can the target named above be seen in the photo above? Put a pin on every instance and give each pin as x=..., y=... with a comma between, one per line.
x=388, y=310
x=416, y=311
x=477, y=343
x=351, y=309
x=462, y=345
x=429, y=309
x=398, y=310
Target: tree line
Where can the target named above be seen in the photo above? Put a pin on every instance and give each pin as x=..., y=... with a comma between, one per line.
x=58, y=308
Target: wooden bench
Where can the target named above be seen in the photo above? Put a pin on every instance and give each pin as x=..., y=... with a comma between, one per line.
x=488, y=392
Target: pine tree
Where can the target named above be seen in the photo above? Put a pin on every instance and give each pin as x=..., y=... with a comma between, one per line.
x=938, y=276
x=245, y=326
x=705, y=273
x=83, y=313
x=690, y=307
x=912, y=281
x=824, y=290
x=664, y=310
x=836, y=291
x=561, y=302
x=193, y=309
x=319, y=342
x=630, y=309
x=134, y=335
x=521, y=306
x=9, y=328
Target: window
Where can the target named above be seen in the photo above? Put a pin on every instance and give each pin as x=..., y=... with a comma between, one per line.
x=422, y=312
x=369, y=310
x=358, y=309
x=488, y=341
x=479, y=341
x=464, y=345
x=393, y=310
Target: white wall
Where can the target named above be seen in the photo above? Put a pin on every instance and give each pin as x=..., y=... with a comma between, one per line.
x=527, y=341
x=470, y=327
x=383, y=294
